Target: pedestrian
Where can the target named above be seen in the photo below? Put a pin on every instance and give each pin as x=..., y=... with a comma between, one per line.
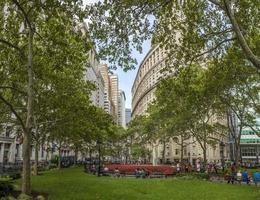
x=198, y=167
x=117, y=172
x=239, y=177
x=178, y=167
x=233, y=172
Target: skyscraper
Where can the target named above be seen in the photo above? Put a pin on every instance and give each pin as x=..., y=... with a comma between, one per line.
x=107, y=88
x=127, y=116
x=114, y=94
x=121, y=108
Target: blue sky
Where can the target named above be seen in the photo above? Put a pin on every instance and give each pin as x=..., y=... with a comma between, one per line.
x=126, y=79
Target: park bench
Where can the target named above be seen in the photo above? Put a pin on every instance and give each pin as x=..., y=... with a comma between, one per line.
x=128, y=174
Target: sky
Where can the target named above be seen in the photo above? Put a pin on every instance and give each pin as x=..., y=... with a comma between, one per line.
x=126, y=79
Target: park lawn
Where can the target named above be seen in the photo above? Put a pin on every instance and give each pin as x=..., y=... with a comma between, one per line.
x=74, y=184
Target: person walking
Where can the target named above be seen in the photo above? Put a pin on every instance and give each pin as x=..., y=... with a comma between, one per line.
x=233, y=173
x=198, y=167
x=178, y=167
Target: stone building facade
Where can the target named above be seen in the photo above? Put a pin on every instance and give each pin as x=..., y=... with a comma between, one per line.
x=143, y=93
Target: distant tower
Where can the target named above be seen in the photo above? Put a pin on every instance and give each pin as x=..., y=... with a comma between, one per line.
x=121, y=108
x=127, y=116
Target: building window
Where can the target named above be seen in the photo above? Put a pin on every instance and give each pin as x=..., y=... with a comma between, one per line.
x=176, y=151
x=8, y=131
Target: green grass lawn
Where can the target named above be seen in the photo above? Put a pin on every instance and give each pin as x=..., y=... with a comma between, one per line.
x=74, y=184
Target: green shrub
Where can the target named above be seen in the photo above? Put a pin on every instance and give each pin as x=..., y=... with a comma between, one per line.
x=201, y=176
x=8, y=198
x=6, y=187
x=40, y=197
x=188, y=176
x=15, y=175
x=52, y=166
x=24, y=197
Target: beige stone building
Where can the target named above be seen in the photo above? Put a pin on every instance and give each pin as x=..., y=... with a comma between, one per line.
x=143, y=93
x=108, y=103
x=114, y=94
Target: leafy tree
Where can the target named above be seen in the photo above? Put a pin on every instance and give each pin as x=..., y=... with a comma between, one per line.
x=190, y=109
x=190, y=31
x=32, y=37
x=236, y=88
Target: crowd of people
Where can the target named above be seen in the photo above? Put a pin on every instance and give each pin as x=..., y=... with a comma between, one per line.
x=232, y=172
x=198, y=167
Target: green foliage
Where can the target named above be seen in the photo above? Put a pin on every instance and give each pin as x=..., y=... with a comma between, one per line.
x=40, y=197
x=190, y=176
x=190, y=31
x=6, y=187
x=24, y=197
x=8, y=198
x=15, y=175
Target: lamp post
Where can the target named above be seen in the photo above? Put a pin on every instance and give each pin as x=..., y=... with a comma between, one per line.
x=99, y=156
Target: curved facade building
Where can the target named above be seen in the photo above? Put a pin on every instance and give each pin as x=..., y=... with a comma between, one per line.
x=143, y=93
x=146, y=80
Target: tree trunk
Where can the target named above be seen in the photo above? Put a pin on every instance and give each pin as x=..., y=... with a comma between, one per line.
x=163, y=153
x=181, y=161
x=26, y=180
x=36, y=153
x=237, y=153
x=205, y=157
x=240, y=37
x=76, y=156
x=26, y=173
x=59, y=157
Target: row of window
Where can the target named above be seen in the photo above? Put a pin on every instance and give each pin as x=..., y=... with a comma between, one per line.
x=155, y=57
x=250, y=141
x=152, y=78
x=248, y=132
x=249, y=151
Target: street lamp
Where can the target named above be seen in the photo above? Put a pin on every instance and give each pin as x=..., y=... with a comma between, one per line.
x=99, y=160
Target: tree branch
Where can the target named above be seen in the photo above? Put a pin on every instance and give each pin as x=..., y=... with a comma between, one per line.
x=12, y=88
x=13, y=111
x=216, y=3
x=212, y=49
x=240, y=37
x=11, y=46
x=24, y=13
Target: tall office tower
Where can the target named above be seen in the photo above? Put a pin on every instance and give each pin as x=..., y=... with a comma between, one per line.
x=114, y=94
x=127, y=116
x=107, y=88
x=121, y=108
x=93, y=74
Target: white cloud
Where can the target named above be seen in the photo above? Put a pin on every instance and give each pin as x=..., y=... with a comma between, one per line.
x=90, y=1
